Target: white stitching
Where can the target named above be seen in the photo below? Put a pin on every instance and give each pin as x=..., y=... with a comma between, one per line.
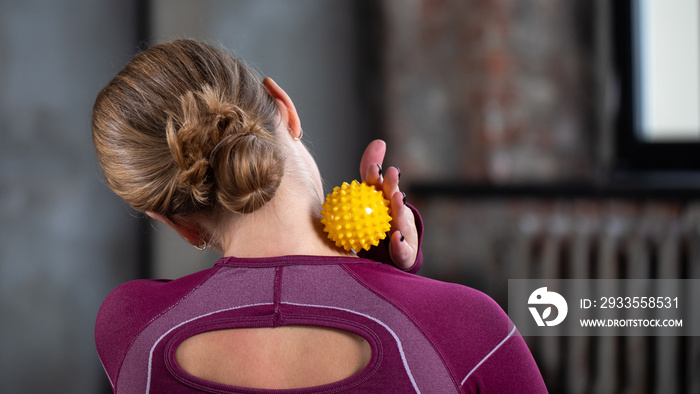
x=398, y=341
x=488, y=355
x=150, y=354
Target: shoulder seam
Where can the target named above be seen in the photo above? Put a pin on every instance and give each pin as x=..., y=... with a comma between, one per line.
x=510, y=334
x=420, y=329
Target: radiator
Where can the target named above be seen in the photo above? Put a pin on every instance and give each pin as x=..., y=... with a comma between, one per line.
x=576, y=240
x=613, y=240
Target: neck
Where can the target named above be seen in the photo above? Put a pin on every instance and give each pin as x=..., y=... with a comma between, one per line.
x=289, y=224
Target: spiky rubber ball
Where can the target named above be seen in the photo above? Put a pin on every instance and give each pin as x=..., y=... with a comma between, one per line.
x=356, y=216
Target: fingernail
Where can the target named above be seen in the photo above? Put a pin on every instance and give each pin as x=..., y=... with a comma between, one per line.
x=399, y=170
x=380, y=169
x=404, y=198
x=403, y=238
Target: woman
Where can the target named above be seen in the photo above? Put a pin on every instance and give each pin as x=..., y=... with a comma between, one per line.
x=189, y=135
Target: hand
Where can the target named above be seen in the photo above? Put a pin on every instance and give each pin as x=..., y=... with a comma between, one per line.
x=403, y=236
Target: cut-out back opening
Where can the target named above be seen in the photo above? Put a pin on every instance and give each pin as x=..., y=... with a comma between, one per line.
x=287, y=357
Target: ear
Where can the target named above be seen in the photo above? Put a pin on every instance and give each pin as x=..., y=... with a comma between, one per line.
x=286, y=107
x=187, y=229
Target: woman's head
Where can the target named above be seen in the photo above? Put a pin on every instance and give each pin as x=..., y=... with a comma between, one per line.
x=185, y=128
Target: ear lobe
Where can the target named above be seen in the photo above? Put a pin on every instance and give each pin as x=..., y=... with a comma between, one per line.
x=187, y=229
x=286, y=106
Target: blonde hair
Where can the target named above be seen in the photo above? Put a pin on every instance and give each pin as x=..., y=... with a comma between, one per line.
x=186, y=128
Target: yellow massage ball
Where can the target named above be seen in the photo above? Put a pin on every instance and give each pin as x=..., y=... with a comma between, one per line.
x=356, y=216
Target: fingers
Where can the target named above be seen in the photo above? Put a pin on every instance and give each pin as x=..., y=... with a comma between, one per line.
x=371, y=159
x=390, y=183
x=401, y=253
x=373, y=176
x=403, y=240
x=403, y=245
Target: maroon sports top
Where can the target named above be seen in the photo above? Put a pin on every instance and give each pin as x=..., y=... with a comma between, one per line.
x=425, y=335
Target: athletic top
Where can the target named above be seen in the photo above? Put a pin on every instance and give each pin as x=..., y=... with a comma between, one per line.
x=425, y=335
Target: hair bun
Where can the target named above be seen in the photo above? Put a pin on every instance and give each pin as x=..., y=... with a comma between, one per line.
x=222, y=151
x=248, y=167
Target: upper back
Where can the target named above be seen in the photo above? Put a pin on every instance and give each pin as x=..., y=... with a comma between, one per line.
x=400, y=332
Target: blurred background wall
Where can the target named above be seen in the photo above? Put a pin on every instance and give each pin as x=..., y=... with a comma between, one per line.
x=65, y=239
x=475, y=99
x=502, y=116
